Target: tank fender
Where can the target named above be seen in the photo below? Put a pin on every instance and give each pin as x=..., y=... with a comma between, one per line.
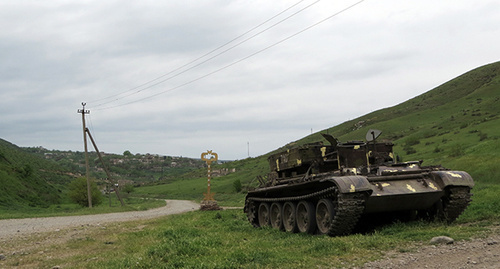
x=452, y=178
x=350, y=184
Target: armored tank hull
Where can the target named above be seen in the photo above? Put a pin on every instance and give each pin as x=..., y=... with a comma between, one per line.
x=326, y=189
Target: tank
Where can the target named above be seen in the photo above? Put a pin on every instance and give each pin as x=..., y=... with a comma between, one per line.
x=326, y=187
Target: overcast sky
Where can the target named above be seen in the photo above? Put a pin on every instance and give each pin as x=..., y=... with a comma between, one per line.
x=181, y=77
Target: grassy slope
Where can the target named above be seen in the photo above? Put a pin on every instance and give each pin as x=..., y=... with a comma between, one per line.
x=456, y=125
x=26, y=180
x=31, y=186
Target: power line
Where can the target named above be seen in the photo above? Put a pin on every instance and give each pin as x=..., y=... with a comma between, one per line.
x=216, y=55
x=138, y=88
x=238, y=61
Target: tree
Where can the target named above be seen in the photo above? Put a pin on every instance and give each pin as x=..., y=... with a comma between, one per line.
x=128, y=188
x=78, y=192
x=127, y=153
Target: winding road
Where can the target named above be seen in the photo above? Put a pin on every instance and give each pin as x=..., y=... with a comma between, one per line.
x=11, y=227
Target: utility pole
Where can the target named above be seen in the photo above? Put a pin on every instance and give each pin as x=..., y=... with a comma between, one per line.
x=89, y=192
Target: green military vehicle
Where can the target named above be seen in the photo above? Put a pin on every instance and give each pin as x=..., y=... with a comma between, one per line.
x=325, y=189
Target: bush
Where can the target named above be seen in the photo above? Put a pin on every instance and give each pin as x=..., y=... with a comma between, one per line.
x=409, y=150
x=412, y=141
x=237, y=185
x=482, y=136
x=78, y=192
x=456, y=151
x=128, y=188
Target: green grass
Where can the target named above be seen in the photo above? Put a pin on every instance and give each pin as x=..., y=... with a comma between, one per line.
x=224, y=239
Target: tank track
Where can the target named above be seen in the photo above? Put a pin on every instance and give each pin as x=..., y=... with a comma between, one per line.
x=456, y=202
x=348, y=211
x=349, y=208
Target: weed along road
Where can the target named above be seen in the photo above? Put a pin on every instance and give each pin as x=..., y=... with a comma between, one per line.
x=13, y=227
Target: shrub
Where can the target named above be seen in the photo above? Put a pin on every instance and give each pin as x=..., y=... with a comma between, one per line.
x=409, y=150
x=128, y=188
x=237, y=185
x=77, y=191
x=412, y=141
x=457, y=151
x=482, y=136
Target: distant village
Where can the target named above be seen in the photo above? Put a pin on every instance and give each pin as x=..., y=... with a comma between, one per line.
x=136, y=169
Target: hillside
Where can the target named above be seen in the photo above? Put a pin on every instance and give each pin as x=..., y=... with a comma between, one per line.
x=37, y=178
x=26, y=180
x=457, y=124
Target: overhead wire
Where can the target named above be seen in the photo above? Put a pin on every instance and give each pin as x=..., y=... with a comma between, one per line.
x=220, y=53
x=240, y=60
x=138, y=89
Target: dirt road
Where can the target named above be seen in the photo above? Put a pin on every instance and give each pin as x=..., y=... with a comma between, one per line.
x=13, y=227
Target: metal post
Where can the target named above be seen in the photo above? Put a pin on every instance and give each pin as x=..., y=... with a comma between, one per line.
x=209, y=196
x=89, y=192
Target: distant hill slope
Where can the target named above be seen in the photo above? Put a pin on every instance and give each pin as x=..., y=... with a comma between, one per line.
x=467, y=99
x=27, y=180
x=456, y=124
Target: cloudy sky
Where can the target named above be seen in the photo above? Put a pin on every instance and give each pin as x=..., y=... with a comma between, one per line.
x=181, y=77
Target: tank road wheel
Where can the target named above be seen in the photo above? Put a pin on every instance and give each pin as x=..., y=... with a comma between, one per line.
x=263, y=214
x=289, y=222
x=306, y=219
x=276, y=216
x=325, y=212
x=251, y=210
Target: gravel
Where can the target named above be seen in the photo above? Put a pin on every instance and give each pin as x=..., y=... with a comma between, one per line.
x=10, y=228
x=474, y=253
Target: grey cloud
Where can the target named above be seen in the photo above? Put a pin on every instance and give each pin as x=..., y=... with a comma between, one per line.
x=56, y=54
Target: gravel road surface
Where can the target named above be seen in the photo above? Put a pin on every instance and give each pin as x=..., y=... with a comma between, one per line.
x=13, y=227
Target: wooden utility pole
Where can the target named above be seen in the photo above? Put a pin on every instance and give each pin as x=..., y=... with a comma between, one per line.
x=104, y=166
x=89, y=192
